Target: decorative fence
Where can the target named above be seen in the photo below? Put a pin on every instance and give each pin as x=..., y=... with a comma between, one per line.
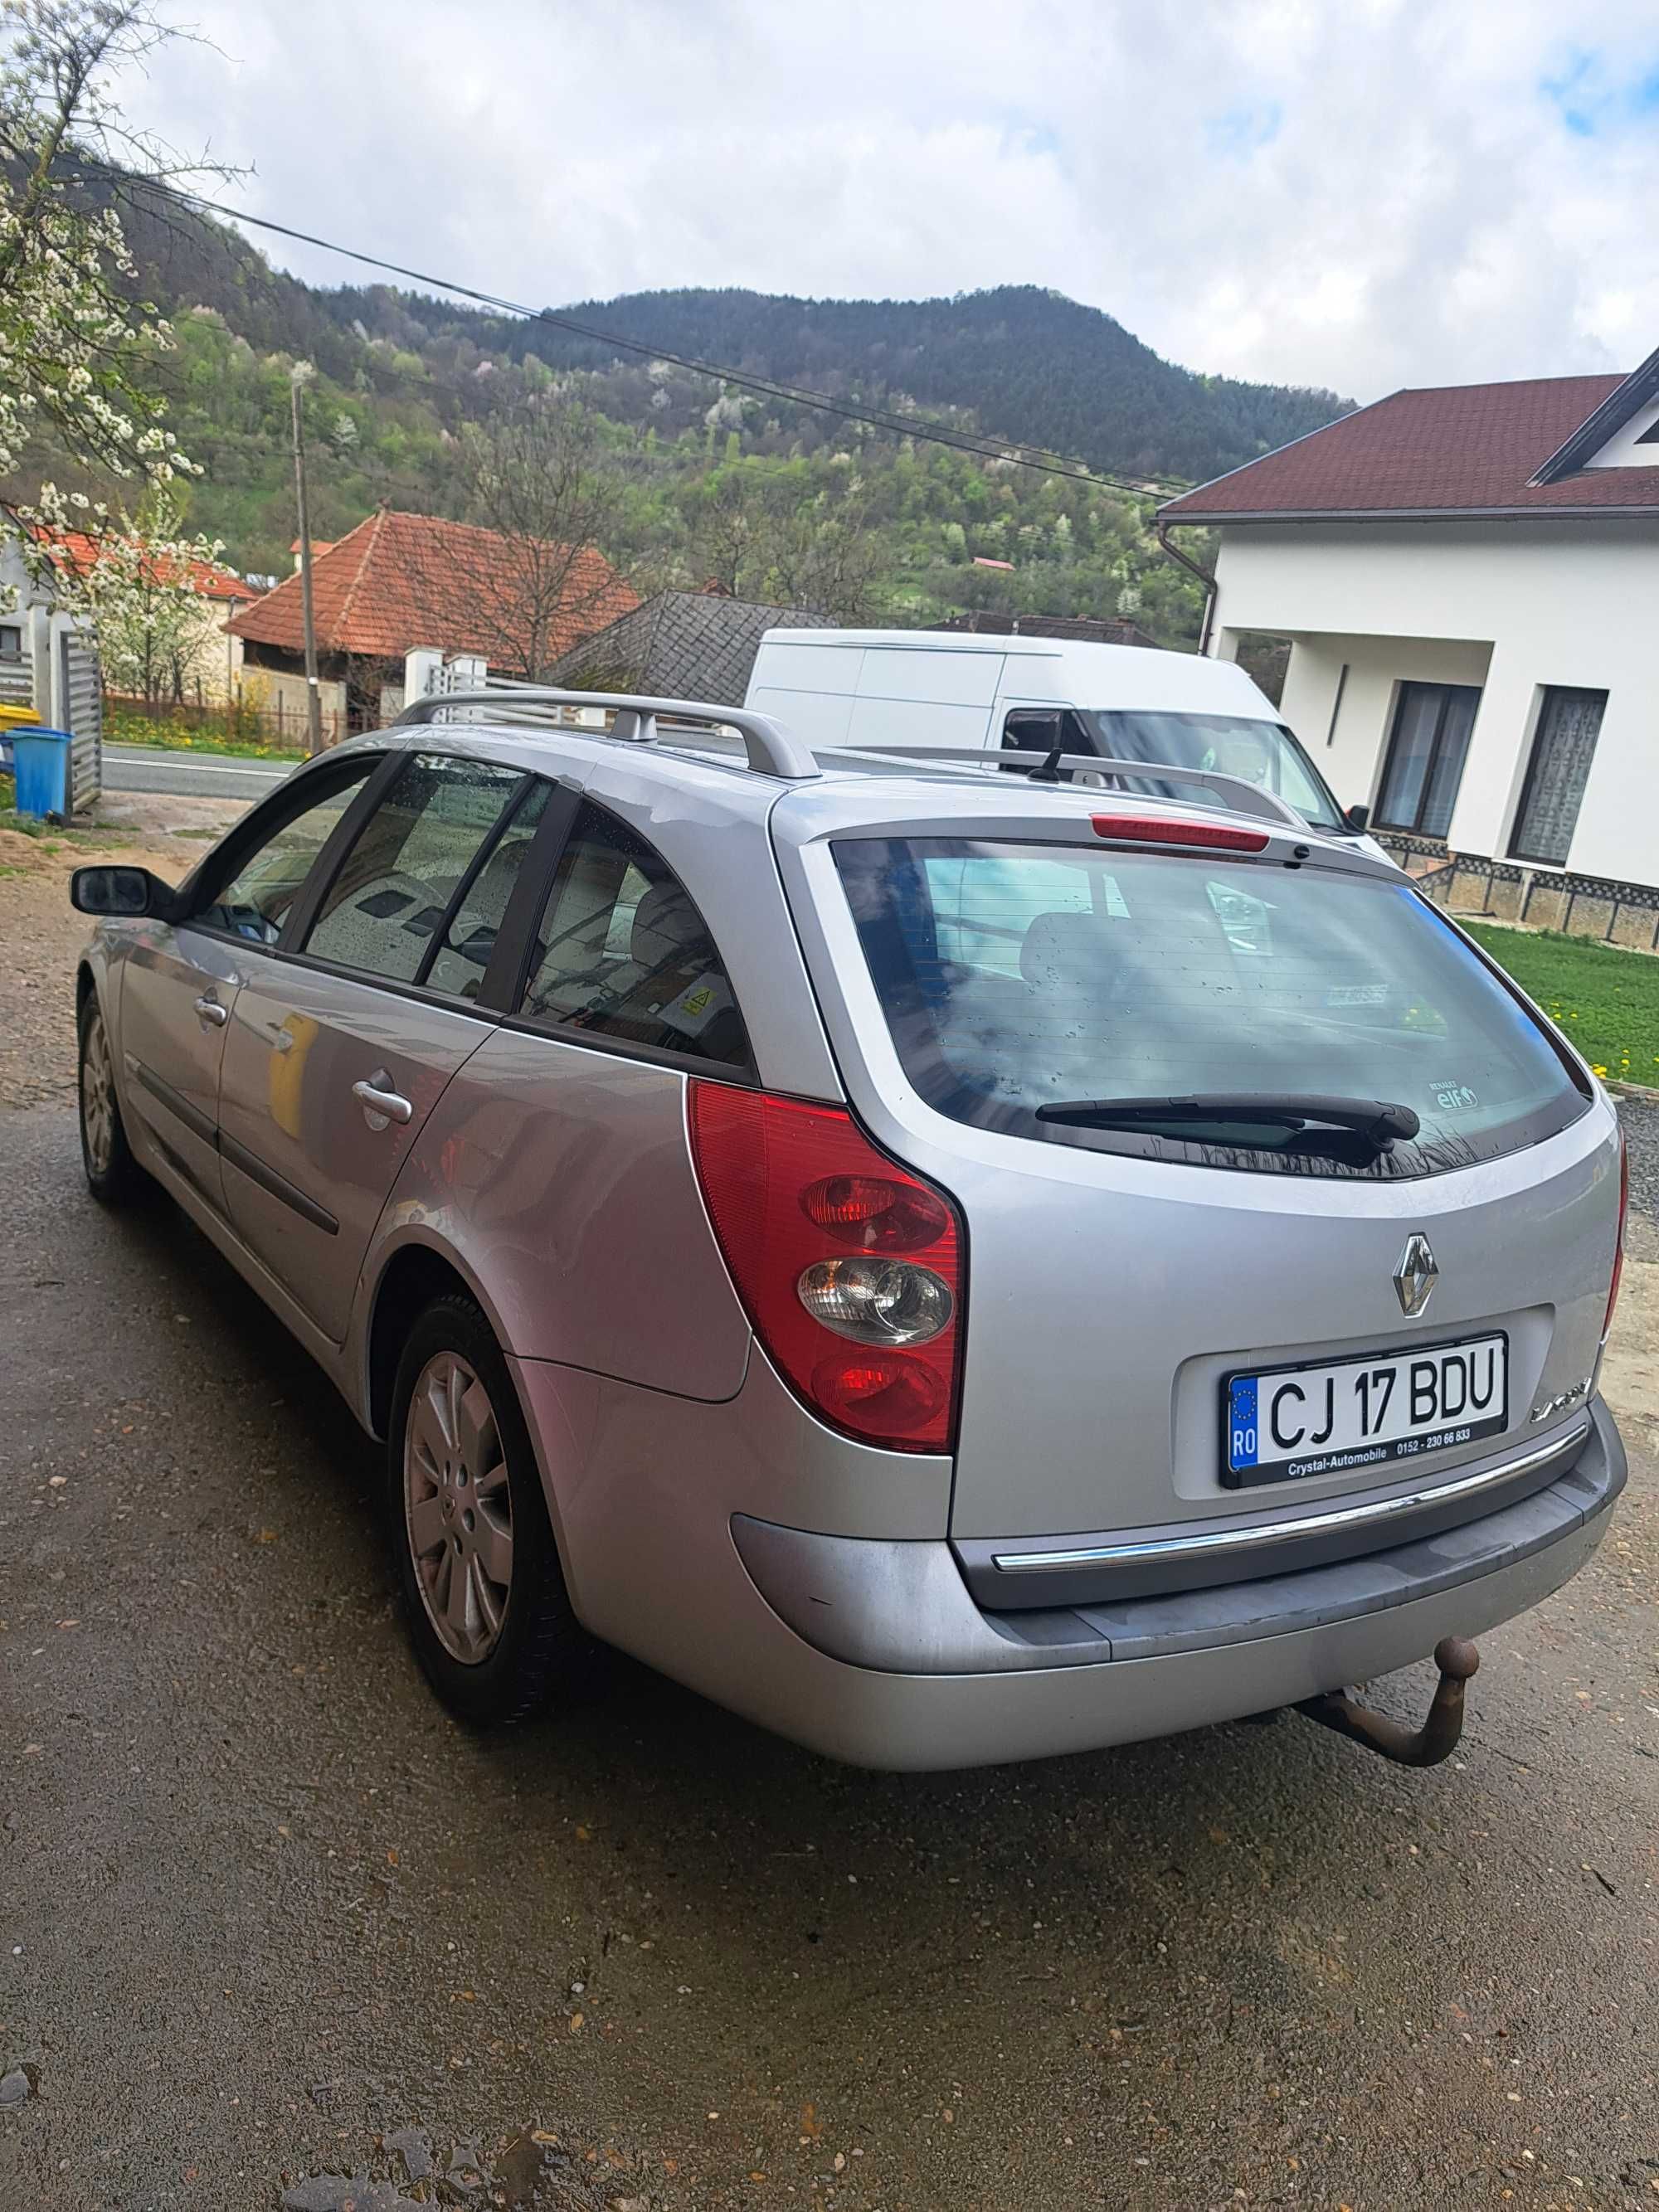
x=1539, y=898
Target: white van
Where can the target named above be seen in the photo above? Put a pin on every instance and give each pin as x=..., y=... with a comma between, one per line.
x=914, y=687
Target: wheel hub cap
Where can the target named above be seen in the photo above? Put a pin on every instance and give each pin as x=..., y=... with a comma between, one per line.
x=458, y=1508
x=98, y=1097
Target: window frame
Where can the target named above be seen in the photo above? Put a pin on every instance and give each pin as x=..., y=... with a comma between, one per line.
x=524, y=902
x=1551, y=693
x=201, y=887
x=416, y=984
x=1414, y=828
x=745, y=1076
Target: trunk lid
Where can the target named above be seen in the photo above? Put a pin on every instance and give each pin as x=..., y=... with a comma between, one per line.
x=1119, y=1276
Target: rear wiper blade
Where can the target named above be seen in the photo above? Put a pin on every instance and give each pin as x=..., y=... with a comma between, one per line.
x=1377, y=1121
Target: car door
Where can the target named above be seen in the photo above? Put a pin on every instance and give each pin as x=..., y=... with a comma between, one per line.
x=179, y=980
x=343, y=1042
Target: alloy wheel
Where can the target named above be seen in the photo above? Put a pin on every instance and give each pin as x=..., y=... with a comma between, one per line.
x=97, y=1096
x=458, y=1508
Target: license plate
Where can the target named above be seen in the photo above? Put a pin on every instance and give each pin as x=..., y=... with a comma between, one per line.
x=1286, y=1423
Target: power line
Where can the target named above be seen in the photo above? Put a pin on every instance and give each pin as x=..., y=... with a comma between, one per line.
x=924, y=427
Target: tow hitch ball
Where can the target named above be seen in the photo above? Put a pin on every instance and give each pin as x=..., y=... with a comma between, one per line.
x=1457, y=1660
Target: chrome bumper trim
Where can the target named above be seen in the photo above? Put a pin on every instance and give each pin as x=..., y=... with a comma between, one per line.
x=1258, y=1535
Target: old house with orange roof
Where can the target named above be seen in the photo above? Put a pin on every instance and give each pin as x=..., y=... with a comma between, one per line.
x=399, y=582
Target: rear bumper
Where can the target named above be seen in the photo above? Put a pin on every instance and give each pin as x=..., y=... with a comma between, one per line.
x=894, y=1665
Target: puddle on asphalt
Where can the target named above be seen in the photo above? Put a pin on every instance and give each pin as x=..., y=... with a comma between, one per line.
x=532, y=2169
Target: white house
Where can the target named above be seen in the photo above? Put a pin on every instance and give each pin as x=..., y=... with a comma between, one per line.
x=1468, y=578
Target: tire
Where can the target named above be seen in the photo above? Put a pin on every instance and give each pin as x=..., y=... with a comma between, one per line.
x=113, y=1176
x=464, y=1501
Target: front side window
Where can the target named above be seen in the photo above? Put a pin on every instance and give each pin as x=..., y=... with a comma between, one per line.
x=1427, y=747
x=1070, y=995
x=267, y=880
x=1569, y=723
x=393, y=892
x=622, y=952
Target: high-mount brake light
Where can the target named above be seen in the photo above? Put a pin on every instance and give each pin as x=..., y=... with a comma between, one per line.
x=871, y=1343
x=1168, y=829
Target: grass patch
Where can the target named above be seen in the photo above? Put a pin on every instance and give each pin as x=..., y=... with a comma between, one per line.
x=170, y=737
x=1605, y=1001
x=51, y=837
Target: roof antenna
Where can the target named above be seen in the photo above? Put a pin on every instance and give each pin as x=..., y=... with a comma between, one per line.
x=1049, y=772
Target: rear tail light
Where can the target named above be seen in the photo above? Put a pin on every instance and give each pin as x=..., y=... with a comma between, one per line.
x=1167, y=829
x=1618, y=1249
x=849, y=1267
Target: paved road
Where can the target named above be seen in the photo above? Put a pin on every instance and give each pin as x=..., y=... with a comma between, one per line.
x=262, y=1906
x=147, y=768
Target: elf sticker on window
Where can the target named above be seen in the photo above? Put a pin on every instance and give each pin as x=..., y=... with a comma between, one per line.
x=697, y=1004
x=1454, y=1098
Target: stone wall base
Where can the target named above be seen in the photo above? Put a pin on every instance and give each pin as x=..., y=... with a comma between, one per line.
x=1625, y=914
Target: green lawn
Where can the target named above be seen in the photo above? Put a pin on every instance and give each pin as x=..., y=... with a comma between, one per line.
x=1607, y=1001
x=133, y=730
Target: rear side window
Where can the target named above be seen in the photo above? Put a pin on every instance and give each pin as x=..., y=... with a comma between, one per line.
x=622, y=952
x=469, y=938
x=1020, y=977
x=393, y=889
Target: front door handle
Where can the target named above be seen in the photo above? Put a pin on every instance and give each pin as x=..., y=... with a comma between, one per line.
x=381, y=1103
x=212, y=1011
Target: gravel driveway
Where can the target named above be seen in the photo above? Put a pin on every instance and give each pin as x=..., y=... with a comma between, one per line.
x=266, y=1915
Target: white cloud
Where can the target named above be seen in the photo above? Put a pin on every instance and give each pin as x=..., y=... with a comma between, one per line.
x=1363, y=196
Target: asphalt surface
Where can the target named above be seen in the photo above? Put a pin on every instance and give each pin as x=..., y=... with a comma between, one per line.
x=197, y=775
x=265, y=1912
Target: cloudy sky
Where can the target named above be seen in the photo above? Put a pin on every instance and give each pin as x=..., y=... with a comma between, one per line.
x=1358, y=193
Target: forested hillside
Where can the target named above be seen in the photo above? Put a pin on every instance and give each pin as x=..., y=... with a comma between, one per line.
x=1024, y=363
x=707, y=482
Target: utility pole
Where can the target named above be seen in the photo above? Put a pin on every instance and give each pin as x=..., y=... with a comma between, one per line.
x=299, y=377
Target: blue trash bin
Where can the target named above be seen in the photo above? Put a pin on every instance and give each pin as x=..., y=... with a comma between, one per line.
x=42, y=761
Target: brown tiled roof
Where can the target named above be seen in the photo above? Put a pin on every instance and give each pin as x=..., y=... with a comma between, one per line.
x=1459, y=449
x=401, y=581
x=684, y=645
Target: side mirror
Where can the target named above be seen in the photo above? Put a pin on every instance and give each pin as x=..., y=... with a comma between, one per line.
x=121, y=891
x=1357, y=817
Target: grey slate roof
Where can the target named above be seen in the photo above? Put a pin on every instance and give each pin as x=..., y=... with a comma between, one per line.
x=682, y=645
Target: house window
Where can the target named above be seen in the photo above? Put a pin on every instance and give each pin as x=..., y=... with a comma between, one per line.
x=1569, y=723
x=11, y=641
x=1427, y=748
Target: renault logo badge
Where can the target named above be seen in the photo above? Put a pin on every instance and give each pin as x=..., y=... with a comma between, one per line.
x=1415, y=1277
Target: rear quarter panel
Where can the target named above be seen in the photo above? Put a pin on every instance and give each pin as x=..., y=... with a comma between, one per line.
x=561, y=1180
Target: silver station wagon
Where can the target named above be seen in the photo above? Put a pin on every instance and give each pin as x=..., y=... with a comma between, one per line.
x=957, y=1258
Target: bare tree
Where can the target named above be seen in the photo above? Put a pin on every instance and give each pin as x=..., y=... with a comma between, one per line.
x=759, y=538
x=533, y=474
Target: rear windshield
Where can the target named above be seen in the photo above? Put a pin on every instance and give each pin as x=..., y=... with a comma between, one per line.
x=1017, y=976
x=1264, y=753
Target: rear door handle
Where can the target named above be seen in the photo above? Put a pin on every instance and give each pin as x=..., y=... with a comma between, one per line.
x=211, y=1010
x=379, y=1103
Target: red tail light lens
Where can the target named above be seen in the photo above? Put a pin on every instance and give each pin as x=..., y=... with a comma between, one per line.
x=791, y=1187
x=1618, y=1249
x=1165, y=830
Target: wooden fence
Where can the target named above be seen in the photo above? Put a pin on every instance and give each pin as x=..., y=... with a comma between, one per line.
x=284, y=728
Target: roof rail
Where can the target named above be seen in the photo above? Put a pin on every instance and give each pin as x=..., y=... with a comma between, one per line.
x=1239, y=795
x=771, y=749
